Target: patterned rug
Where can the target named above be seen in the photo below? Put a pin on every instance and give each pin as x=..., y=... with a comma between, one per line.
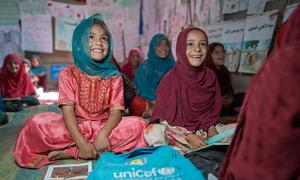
x=8, y=134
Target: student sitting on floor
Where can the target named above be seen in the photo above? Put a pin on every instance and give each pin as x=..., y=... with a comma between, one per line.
x=27, y=66
x=16, y=86
x=39, y=70
x=230, y=102
x=160, y=61
x=92, y=100
x=188, y=101
x=134, y=60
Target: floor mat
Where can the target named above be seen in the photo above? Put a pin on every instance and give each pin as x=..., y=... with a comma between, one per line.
x=8, y=134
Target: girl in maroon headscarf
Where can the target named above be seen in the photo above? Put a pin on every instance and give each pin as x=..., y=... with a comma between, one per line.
x=267, y=140
x=188, y=98
x=230, y=102
x=134, y=60
x=15, y=83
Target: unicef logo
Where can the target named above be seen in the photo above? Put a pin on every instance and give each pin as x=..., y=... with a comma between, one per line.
x=166, y=171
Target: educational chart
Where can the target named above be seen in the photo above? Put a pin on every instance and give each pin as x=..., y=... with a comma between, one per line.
x=57, y=9
x=230, y=6
x=10, y=41
x=11, y=15
x=32, y=7
x=37, y=33
x=64, y=28
x=257, y=39
x=232, y=38
x=214, y=33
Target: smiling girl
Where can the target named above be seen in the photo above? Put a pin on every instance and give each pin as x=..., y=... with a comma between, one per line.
x=188, y=101
x=91, y=99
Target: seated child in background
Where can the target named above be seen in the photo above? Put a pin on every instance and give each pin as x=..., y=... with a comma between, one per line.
x=150, y=72
x=39, y=70
x=134, y=60
x=15, y=84
x=230, y=102
x=27, y=66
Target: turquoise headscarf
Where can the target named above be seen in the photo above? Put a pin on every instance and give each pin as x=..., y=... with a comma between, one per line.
x=82, y=54
x=152, y=70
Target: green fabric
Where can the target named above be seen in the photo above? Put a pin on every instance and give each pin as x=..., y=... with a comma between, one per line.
x=82, y=55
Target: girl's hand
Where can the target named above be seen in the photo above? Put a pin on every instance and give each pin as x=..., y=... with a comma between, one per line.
x=102, y=143
x=196, y=141
x=87, y=151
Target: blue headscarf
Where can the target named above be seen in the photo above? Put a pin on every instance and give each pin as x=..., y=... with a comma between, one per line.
x=82, y=54
x=152, y=70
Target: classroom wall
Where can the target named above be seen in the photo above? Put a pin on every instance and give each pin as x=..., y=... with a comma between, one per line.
x=240, y=81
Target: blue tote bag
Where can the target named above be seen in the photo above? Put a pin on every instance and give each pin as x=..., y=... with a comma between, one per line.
x=161, y=162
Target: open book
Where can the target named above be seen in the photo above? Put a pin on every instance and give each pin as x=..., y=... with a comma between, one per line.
x=217, y=140
x=68, y=171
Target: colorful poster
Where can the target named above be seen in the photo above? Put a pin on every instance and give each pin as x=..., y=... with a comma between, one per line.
x=32, y=7
x=257, y=39
x=9, y=13
x=214, y=33
x=57, y=9
x=230, y=6
x=232, y=38
x=37, y=33
x=10, y=41
x=64, y=27
x=55, y=70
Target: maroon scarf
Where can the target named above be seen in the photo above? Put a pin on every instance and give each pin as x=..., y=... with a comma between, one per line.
x=15, y=85
x=127, y=70
x=266, y=144
x=187, y=96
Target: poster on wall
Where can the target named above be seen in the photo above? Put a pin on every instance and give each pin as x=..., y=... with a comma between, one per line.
x=64, y=27
x=256, y=42
x=37, y=33
x=215, y=11
x=11, y=15
x=230, y=6
x=55, y=70
x=32, y=7
x=232, y=38
x=10, y=41
x=214, y=33
x=244, y=5
x=57, y=9
x=256, y=6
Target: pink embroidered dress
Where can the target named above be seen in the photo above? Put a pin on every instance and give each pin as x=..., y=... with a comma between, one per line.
x=93, y=99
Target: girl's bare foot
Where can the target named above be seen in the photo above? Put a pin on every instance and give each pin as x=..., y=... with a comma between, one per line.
x=56, y=155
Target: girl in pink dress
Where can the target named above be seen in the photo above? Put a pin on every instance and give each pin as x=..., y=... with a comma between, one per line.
x=91, y=99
